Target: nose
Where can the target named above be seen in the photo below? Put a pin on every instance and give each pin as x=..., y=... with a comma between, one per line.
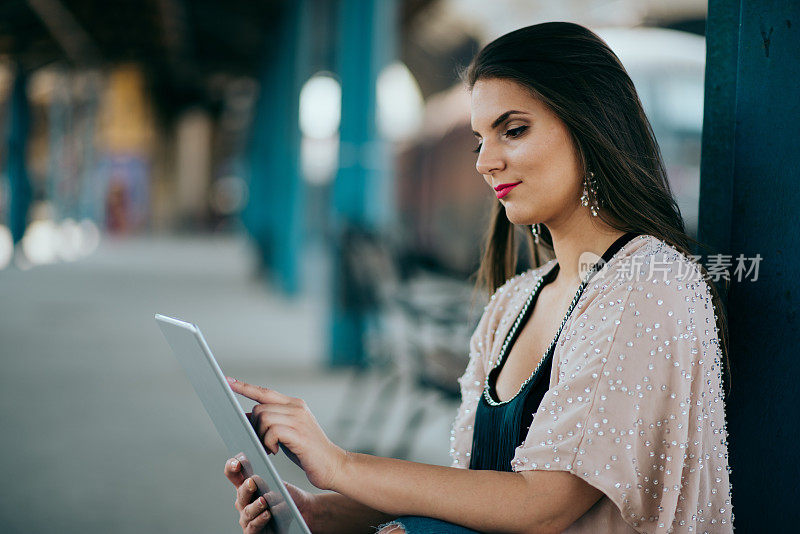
x=489, y=161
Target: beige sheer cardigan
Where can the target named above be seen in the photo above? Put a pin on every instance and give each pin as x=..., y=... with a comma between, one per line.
x=635, y=406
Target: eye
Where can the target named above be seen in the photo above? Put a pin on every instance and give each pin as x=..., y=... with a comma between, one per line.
x=516, y=132
x=512, y=133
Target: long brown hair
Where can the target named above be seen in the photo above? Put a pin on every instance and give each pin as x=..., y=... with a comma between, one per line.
x=574, y=72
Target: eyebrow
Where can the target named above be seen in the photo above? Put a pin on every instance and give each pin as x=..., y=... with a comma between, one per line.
x=499, y=120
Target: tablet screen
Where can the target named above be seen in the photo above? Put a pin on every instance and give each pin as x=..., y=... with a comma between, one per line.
x=234, y=428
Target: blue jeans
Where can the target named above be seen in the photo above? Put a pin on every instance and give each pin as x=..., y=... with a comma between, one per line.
x=414, y=524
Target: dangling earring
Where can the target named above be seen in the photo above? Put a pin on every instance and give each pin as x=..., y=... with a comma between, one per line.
x=536, y=232
x=588, y=186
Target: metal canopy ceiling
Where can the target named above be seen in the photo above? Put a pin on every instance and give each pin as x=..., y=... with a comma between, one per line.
x=184, y=47
x=204, y=35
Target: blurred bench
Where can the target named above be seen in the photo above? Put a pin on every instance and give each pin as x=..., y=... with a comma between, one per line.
x=417, y=341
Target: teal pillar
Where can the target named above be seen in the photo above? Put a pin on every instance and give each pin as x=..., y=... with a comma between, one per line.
x=274, y=214
x=749, y=175
x=90, y=200
x=362, y=191
x=20, y=190
x=59, y=171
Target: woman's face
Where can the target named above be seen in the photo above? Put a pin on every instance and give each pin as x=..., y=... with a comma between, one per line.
x=522, y=142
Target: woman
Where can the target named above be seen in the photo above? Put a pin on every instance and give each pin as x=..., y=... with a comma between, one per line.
x=592, y=401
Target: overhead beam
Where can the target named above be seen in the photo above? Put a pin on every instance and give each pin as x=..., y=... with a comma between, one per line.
x=66, y=30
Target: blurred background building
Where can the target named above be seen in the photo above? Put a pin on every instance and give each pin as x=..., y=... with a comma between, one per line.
x=157, y=117
x=295, y=177
x=300, y=124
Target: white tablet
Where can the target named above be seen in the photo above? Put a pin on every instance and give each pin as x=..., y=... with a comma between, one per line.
x=232, y=424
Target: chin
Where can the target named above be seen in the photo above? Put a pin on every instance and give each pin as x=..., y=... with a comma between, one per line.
x=520, y=217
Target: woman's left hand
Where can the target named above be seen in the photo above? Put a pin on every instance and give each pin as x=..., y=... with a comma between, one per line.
x=284, y=419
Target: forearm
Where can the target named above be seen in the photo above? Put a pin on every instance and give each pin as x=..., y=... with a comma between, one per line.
x=339, y=514
x=488, y=501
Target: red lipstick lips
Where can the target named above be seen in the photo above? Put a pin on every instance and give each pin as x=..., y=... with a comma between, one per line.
x=503, y=189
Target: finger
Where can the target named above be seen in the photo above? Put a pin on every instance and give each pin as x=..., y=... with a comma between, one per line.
x=279, y=433
x=245, y=494
x=279, y=508
x=258, y=523
x=268, y=437
x=233, y=471
x=257, y=393
x=254, y=509
x=268, y=421
x=288, y=409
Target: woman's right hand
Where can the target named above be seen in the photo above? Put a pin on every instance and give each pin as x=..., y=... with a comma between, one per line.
x=254, y=514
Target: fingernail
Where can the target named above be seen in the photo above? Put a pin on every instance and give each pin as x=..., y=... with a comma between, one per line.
x=231, y=380
x=251, y=485
x=263, y=501
x=234, y=463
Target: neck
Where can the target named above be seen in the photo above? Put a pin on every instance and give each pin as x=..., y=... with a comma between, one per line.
x=574, y=238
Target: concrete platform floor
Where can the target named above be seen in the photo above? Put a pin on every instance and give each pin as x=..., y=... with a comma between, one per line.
x=100, y=430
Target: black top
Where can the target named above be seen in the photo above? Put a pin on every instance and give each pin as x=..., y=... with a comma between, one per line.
x=500, y=429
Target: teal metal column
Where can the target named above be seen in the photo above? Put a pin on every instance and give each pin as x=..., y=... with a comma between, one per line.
x=362, y=190
x=748, y=203
x=20, y=191
x=90, y=202
x=59, y=169
x=274, y=214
